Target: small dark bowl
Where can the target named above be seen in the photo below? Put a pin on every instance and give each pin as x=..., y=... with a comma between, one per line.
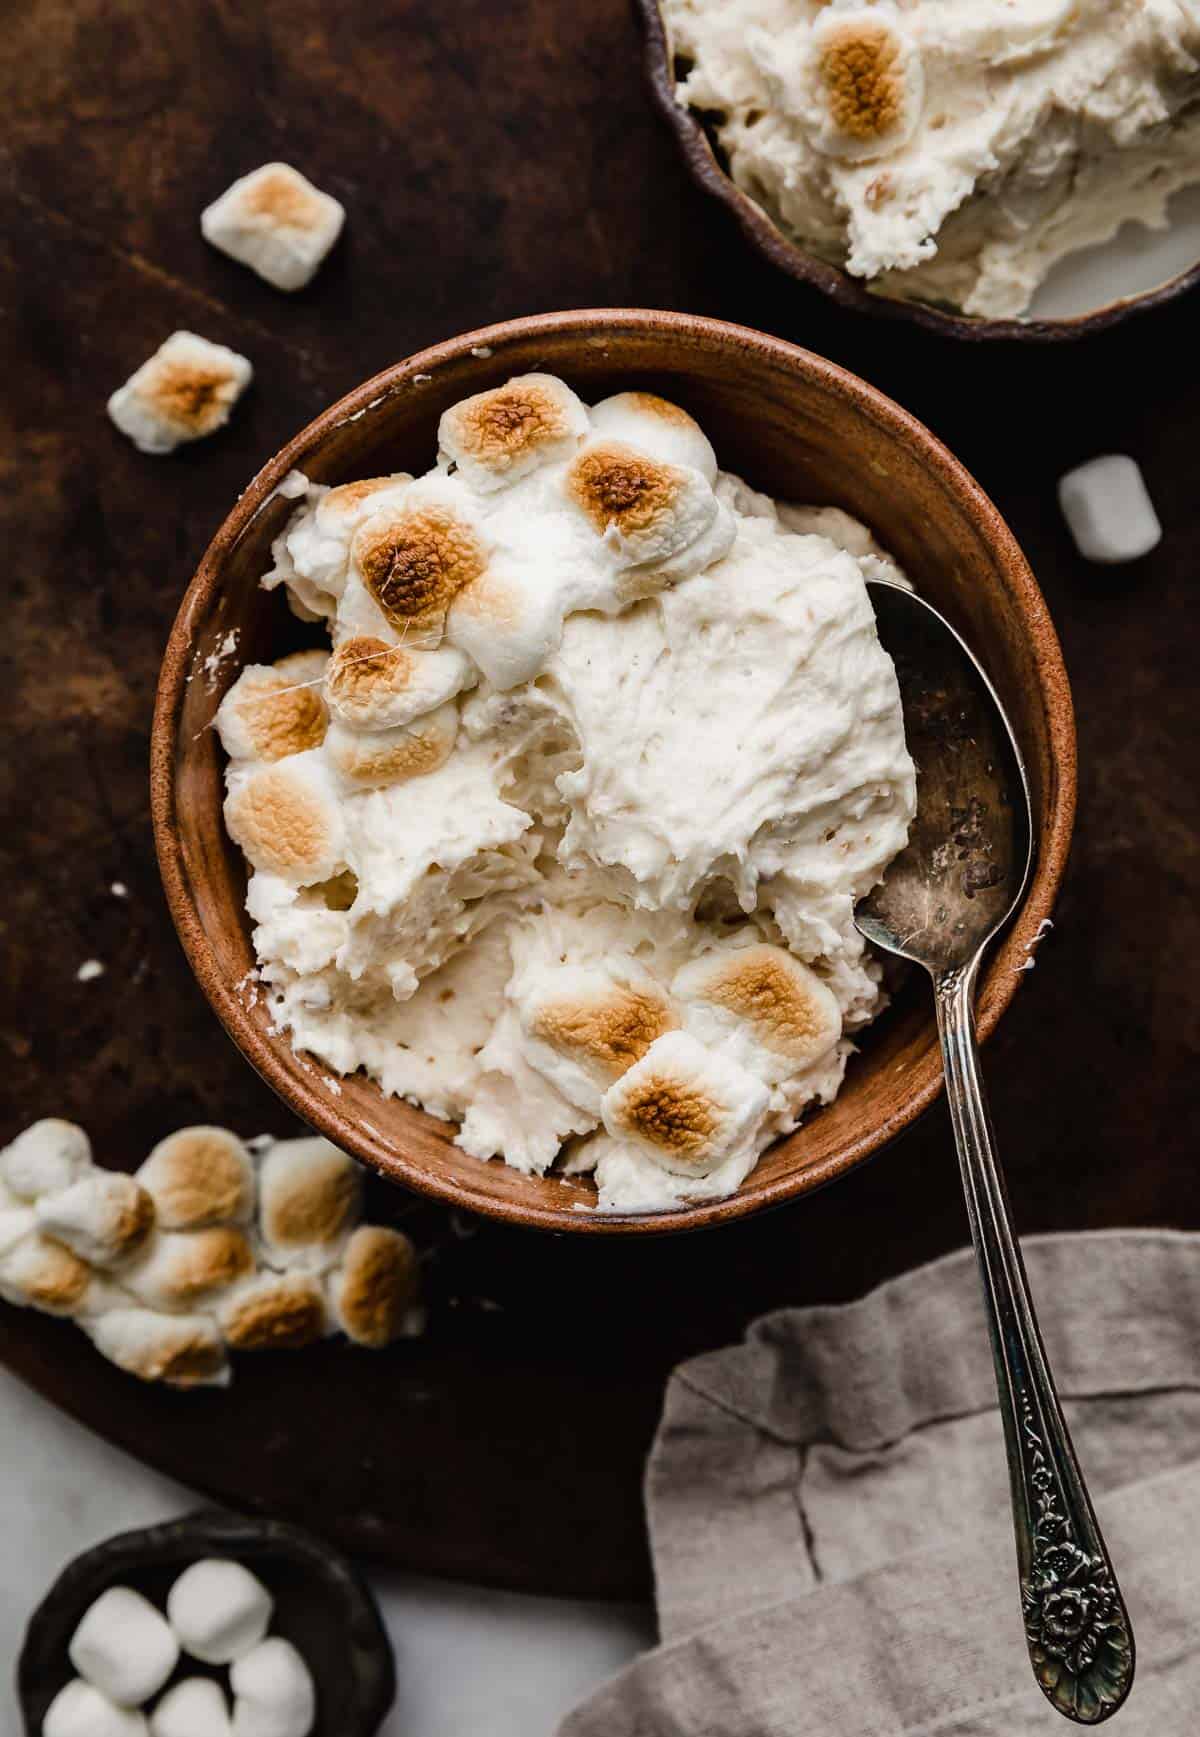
x=321, y=1605
x=764, y=234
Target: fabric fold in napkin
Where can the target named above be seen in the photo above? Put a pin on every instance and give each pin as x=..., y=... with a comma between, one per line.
x=829, y=1512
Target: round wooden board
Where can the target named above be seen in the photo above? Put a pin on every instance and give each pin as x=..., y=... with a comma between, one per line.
x=492, y=168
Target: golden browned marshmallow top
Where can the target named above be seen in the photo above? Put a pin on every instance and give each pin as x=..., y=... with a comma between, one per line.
x=859, y=64
x=376, y=1286
x=198, y=1177
x=497, y=436
x=415, y=560
x=308, y=1199
x=789, y=1009
x=284, y=197
x=376, y=757
x=182, y=1350
x=670, y=1113
x=610, y=1029
x=103, y=1218
x=275, y=1312
x=617, y=485
x=181, y=1268
x=287, y=819
x=45, y=1274
x=273, y=711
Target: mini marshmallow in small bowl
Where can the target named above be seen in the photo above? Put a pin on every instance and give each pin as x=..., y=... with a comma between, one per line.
x=226, y=1582
x=124, y=1647
x=219, y=1610
x=274, y=1695
x=79, y=1710
x=276, y=222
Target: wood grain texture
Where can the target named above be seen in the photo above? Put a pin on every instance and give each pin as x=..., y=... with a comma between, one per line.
x=497, y=161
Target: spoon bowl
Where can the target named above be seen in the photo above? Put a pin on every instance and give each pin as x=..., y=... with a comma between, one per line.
x=942, y=900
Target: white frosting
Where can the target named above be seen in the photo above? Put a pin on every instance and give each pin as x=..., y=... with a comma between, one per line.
x=665, y=755
x=947, y=151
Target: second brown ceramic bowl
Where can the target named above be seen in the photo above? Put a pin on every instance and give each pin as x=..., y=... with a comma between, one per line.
x=792, y=424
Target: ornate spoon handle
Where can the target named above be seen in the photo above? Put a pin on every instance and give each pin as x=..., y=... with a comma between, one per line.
x=1076, y=1627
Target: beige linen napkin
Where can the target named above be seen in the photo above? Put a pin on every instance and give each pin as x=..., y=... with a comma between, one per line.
x=829, y=1516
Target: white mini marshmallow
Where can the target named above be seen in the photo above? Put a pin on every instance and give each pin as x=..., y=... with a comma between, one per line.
x=371, y=685
x=199, y=1177
x=103, y=1218
x=656, y=426
x=413, y=558
x=79, y=1710
x=288, y=819
x=309, y=1196
x=685, y=1106
x=219, y=1610
x=182, y=1350
x=195, y=1707
x=1108, y=510
x=274, y=1692
x=48, y=1156
x=499, y=436
x=124, y=1647
x=274, y=1312
x=275, y=710
x=183, y=392
x=17, y=1219
x=276, y=222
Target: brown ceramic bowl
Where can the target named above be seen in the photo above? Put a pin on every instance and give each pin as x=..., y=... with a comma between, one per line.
x=704, y=163
x=792, y=424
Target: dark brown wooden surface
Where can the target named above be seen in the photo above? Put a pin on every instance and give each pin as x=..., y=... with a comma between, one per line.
x=495, y=160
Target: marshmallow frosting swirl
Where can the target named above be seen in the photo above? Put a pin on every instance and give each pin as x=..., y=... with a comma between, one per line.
x=945, y=150
x=562, y=838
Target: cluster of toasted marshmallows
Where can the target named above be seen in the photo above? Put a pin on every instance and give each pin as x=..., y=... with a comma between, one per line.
x=126, y=1651
x=274, y=221
x=212, y=1245
x=538, y=508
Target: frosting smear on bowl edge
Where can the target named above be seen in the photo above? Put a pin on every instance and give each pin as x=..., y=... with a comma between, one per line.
x=562, y=839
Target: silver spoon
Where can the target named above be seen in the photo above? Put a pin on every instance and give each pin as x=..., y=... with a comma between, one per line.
x=942, y=900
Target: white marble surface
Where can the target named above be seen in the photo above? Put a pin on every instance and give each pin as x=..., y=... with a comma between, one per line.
x=467, y=1660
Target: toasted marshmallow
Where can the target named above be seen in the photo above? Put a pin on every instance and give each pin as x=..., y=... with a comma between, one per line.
x=275, y=710
x=414, y=558
x=197, y=1177
x=586, y=1028
x=685, y=1106
x=124, y=1647
x=182, y=1350
x=186, y=390
x=219, y=1610
x=196, y=1707
x=308, y=1202
x=48, y=1156
x=371, y=685
x=79, y=1710
x=274, y=1312
x=661, y=518
x=317, y=539
x=369, y=758
x=655, y=426
x=498, y=436
x=103, y=1218
x=39, y=1273
x=276, y=222
x=184, y=1269
x=375, y=1288
x=273, y=1692
x=863, y=82
x=764, y=999
x=508, y=622
x=288, y=819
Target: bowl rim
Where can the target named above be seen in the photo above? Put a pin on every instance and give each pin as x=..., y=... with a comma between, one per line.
x=764, y=234
x=283, y=1070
